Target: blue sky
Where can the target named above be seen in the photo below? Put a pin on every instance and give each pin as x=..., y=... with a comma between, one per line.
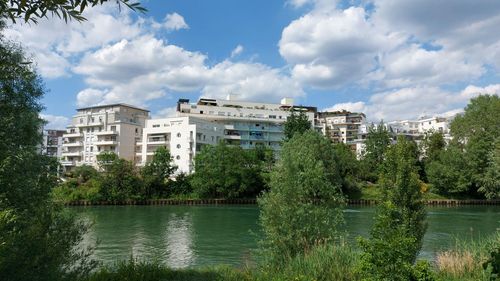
x=389, y=59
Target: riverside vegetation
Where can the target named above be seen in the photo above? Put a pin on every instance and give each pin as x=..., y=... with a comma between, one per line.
x=39, y=239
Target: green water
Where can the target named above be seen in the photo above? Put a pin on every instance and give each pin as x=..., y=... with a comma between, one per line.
x=190, y=236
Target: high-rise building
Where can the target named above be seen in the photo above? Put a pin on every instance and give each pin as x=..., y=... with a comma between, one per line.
x=93, y=130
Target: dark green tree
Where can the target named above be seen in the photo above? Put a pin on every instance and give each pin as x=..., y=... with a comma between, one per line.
x=224, y=171
x=120, y=179
x=156, y=174
x=450, y=173
x=32, y=10
x=377, y=141
x=302, y=209
x=348, y=167
x=37, y=237
x=490, y=183
x=396, y=237
x=296, y=123
x=432, y=145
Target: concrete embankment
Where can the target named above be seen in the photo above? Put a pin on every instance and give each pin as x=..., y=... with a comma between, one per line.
x=362, y=202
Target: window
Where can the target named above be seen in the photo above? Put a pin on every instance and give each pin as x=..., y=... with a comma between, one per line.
x=92, y=118
x=178, y=157
x=81, y=120
x=178, y=135
x=113, y=128
x=92, y=130
x=88, y=130
x=91, y=149
x=178, y=146
x=201, y=111
x=156, y=125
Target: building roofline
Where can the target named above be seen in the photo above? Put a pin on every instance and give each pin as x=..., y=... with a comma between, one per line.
x=111, y=105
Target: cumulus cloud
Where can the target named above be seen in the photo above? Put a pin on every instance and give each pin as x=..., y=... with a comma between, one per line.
x=410, y=103
x=174, y=21
x=55, y=122
x=53, y=51
x=395, y=44
x=166, y=112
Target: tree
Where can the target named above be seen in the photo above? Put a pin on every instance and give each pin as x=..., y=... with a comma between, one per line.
x=224, y=171
x=156, y=173
x=302, y=209
x=450, y=174
x=475, y=133
x=296, y=123
x=432, y=144
x=37, y=237
x=348, y=167
x=32, y=10
x=376, y=143
x=490, y=183
x=396, y=237
x=120, y=180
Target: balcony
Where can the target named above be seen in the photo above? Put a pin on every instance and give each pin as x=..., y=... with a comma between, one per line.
x=91, y=124
x=105, y=142
x=71, y=154
x=107, y=133
x=73, y=135
x=68, y=163
x=73, y=144
x=158, y=142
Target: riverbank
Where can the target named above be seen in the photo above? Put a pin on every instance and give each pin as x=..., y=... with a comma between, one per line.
x=362, y=202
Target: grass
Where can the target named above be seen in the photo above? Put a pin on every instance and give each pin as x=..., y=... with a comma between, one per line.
x=464, y=261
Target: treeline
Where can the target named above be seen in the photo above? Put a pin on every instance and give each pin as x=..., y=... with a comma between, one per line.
x=466, y=167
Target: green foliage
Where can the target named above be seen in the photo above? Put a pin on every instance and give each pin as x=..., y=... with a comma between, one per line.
x=296, y=123
x=181, y=185
x=37, y=238
x=156, y=174
x=31, y=10
x=432, y=145
x=224, y=171
x=449, y=173
x=348, y=167
x=490, y=182
x=376, y=143
x=120, y=180
x=396, y=237
x=302, y=208
x=422, y=271
x=492, y=265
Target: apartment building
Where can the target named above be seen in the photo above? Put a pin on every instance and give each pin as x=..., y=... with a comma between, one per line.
x=93, y=130
x=52, y=143
x=341, y=126
x=247, y=124
x=415, y=129
x=182, y=136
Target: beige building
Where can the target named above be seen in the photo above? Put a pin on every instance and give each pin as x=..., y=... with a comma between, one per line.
x=341, y=126
x=93, y=130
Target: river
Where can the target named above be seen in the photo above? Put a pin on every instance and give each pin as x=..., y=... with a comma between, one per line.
x=191, y=236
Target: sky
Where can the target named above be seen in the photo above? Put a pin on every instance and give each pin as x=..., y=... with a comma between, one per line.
x=391, y=59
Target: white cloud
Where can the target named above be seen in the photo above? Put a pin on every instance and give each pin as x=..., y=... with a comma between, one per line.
x=236, y=51
x=166, y=112
x=331, y=48
x=89, y=97
x=410, y=103
x=55, y=122
x=348, y=106
x=174, y=21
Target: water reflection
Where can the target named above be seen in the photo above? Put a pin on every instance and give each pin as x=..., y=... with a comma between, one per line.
x=186, y=236
x=179, y=241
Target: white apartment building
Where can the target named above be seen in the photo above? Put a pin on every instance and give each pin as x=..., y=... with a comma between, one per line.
x=247, y=124
x=417, y=128
x=93, y=130
x=341, y=126
x=182, y=136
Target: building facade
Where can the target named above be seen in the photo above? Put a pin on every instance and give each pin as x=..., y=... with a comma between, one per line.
x=246, y=124
x=182, y=136
x=342, y=126
x=107, y=128
x=415, y=129
x=52, y=143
